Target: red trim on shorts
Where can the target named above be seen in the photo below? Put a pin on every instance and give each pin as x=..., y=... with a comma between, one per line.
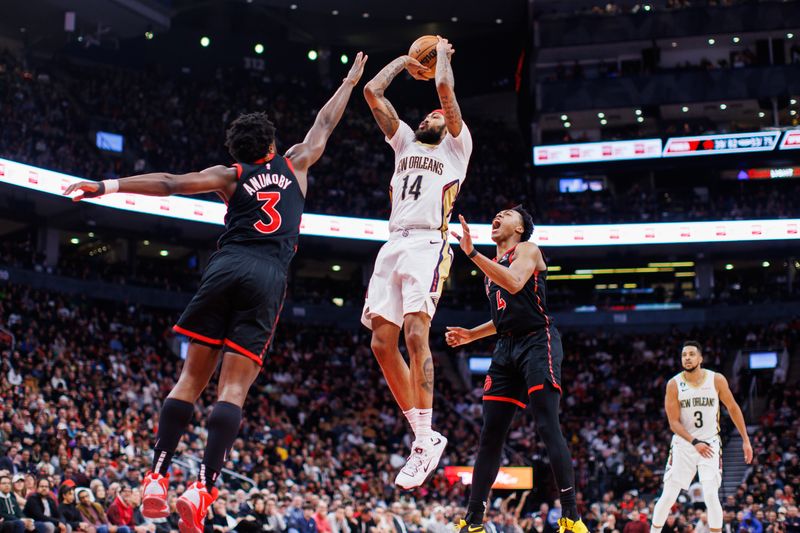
x=504, y=399
x=243, y=351
x=275, y=324
x=191, y=334
x=238, y=168
x=535, y=388
x=547, y=329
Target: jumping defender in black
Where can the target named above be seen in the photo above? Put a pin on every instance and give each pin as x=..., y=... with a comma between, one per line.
x=526, y=362
x=236, y=308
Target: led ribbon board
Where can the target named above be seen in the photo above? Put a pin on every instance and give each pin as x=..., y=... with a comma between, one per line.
x=593, y=152
x=47, y=181
x=734, y=143
x=791, y=140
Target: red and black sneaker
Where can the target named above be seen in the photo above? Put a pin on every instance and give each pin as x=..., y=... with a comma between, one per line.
x=155, y=494
x=192, y=507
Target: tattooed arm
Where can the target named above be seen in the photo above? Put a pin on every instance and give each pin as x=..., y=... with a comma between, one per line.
x=383, y=111
x=444, y=86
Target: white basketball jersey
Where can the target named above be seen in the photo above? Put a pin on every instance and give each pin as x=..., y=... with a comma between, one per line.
x=699, y=406
x=426, y=179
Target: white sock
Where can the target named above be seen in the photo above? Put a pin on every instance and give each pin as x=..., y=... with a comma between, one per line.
x=654, y=529
x=411, y=416
x=423, y=429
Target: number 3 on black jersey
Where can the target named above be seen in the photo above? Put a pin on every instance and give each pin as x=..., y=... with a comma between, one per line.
x=270, y=199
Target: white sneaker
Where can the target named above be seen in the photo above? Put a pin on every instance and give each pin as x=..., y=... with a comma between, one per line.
x=422, y=462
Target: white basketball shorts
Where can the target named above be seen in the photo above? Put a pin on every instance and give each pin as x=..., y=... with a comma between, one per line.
x=409, y=276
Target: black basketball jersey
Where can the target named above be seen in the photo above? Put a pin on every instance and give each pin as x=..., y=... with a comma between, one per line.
x=521, y=313
x=265, y=209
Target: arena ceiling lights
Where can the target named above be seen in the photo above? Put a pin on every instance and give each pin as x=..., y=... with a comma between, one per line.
x=697, y=145
x=55, y=183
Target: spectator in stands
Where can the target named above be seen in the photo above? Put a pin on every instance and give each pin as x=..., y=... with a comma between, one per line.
x=305, y=523
x=42, y=507
x=93, y=513
x=222, y=521
x=11, y=514
x=339, y=524
x=121, y=511
x=19, y=489
x=321, y=518
x=69, y=510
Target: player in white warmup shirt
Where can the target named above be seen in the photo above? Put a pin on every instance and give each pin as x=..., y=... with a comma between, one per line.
x=411, y=268
x=692, y=406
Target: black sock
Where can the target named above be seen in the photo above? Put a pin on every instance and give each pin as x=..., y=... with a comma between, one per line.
x=175, y=416
x=545, y=407
x=568, y=507
x=207, y=476
x=497, y=417
x=475, y=512
x=223, y=426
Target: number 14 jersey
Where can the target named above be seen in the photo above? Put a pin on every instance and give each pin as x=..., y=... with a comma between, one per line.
x=426, y=179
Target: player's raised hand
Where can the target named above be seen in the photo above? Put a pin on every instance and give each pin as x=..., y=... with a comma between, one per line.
x=465, y=240
x=456, y=336
x=357, y=69
x=443, y=47
x=748, y=452
x=416, y=69
x=90, y=189
x=704, y=449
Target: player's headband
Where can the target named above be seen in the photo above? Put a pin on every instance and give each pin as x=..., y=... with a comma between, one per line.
x=440, y=111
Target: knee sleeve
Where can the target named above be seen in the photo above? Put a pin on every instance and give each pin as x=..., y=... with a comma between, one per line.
x=713, y=505
x=665, y=502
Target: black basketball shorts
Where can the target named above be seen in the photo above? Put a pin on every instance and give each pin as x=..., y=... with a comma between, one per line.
x=238, y=303
x=523, y=365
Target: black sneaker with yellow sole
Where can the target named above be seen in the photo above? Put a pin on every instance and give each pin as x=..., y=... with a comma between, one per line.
x=575, y=526
x=463, y=527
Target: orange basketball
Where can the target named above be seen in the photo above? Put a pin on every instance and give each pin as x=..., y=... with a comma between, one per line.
x=424, y=51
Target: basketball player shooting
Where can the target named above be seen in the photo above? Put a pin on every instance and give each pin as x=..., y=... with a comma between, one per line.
x=235, y=311
x=411, y=268
x=692, y=406
x=526, y=363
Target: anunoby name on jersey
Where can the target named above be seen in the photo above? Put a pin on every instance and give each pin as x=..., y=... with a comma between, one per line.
x=260, y=181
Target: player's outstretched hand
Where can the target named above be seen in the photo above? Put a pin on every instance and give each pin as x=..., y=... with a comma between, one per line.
x=456, y=336
x=357, y=69
x=465, y=240
x=443, y=47
x=704, y=449
x=417, y=70
x=748, y=452
x=90, y=189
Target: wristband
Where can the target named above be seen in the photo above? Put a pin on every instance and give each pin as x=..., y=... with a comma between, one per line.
x=695, y=442
x=473, y=253
x=111, y=186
